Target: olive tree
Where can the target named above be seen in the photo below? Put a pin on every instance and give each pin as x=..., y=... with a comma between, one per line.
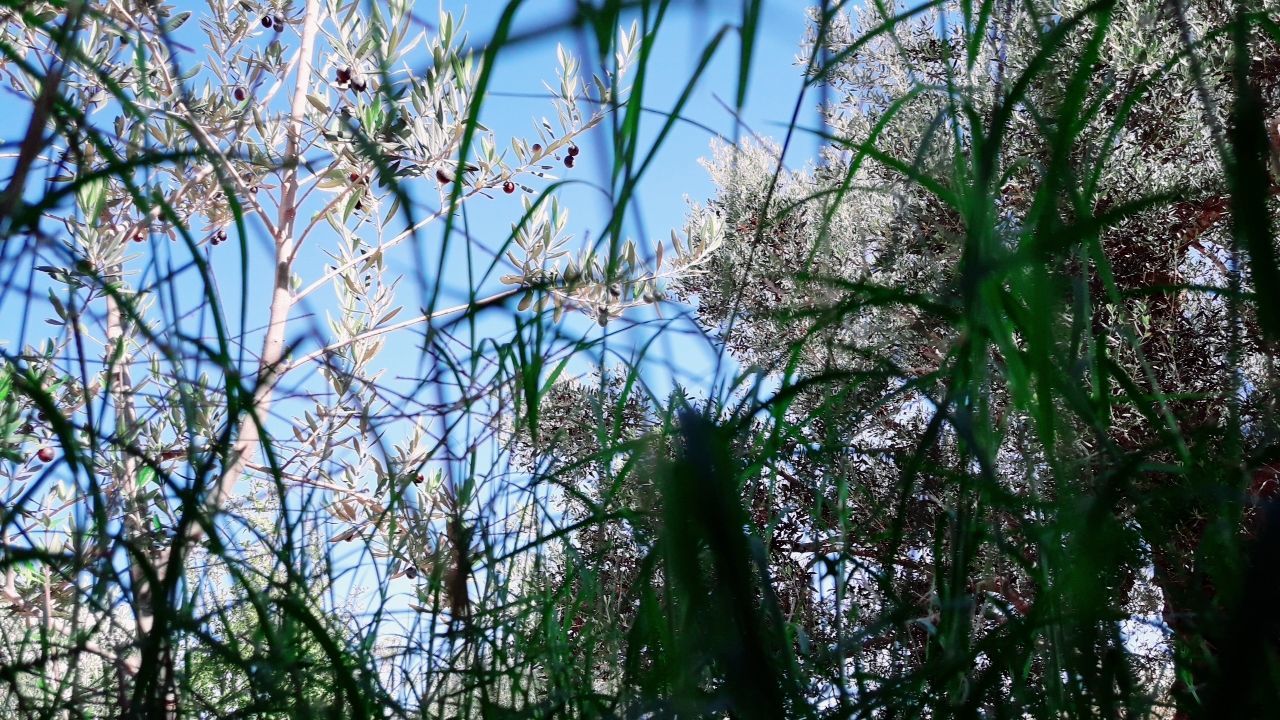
x=190, y=454
x=1011, y=333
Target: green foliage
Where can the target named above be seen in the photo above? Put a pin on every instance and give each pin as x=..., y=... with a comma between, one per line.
x=993, y=433
x=1025, y=429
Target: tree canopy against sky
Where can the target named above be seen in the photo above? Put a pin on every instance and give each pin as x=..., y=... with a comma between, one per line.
x=1027, y=395
x=296, y=419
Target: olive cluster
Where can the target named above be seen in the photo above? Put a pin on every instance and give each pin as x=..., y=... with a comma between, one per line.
x=348, y=78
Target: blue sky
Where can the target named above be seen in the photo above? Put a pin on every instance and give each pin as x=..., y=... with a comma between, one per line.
x=514, y=105
x=511, y=109
x=516, y=100
x=775, y=83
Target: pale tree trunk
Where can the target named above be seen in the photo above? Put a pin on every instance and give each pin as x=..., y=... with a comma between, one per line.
x=270, y=364
x=128, y=493
x=271, y=361
x=133, y=502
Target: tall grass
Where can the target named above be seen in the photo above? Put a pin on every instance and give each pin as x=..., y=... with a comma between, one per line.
x=743, y=549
